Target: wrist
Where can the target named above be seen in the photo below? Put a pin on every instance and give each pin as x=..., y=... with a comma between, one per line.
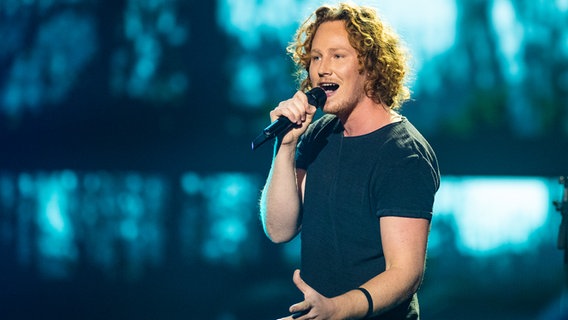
x=285, y=147
x=369, y=299
x=351, y=305
x=286, y=141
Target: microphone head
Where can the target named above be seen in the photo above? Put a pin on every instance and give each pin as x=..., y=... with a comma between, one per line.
x=317, y=97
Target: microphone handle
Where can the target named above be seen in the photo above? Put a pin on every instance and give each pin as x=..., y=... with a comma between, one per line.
x=316, y=97
x=282, y=124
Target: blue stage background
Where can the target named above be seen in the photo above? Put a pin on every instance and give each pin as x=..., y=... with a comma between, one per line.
x=128, y=188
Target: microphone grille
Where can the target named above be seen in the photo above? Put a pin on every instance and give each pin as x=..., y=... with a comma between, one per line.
x=317, y=97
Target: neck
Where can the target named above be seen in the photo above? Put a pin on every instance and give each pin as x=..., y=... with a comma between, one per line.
x=366, y=118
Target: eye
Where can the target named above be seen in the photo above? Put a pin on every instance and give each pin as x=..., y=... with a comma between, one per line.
x=315, y=58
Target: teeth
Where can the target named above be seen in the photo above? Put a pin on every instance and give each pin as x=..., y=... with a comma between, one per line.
x=329, y=86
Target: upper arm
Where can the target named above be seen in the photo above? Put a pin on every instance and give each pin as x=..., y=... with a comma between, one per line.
x=404, y=243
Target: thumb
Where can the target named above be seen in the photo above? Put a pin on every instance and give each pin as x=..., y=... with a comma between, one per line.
x=299, y=282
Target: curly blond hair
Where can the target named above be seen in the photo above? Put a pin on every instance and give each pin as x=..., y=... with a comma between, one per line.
x=380, y=53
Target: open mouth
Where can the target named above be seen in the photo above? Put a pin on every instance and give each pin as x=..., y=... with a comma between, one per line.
x=329, y=87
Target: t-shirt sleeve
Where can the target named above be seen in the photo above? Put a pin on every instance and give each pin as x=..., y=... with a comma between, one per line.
x=408, y=189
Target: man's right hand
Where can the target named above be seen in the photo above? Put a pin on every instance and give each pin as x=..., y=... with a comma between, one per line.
x=299, y=112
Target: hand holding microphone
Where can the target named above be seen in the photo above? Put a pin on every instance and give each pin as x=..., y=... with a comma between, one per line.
x=316, y=97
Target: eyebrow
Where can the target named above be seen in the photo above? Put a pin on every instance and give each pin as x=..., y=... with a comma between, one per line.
x=329, y=50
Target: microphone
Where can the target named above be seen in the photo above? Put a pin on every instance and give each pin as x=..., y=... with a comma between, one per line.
x=316, y=98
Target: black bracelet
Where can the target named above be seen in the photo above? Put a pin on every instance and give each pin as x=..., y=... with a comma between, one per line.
x=369, y=301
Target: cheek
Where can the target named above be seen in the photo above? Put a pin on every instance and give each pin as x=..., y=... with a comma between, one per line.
x=312, y=73
x=313, y=80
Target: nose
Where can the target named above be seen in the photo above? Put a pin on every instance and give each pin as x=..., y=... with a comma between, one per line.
x=323, y=68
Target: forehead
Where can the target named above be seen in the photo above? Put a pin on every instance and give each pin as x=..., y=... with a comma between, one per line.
x=331, y=34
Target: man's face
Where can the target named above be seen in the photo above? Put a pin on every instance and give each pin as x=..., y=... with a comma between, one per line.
x=334, y=67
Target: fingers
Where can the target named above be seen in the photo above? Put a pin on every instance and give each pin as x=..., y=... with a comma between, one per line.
x=299, y=314
x=296, y=315
x=301, y=308
x=314, y=306
x=296, y=109
x=299, y=282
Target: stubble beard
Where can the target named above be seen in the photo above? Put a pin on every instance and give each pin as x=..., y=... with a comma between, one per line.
x=342, y=109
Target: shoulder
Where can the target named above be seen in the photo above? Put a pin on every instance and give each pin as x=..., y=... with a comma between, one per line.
x=404, y=139
x=411, y=153
x=404, y=149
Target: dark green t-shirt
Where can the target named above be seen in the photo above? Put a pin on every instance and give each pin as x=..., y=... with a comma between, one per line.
x=351, y=183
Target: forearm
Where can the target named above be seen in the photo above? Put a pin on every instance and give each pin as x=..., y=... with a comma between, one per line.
x=387, y=290
x=280, y=200
x=393, y=287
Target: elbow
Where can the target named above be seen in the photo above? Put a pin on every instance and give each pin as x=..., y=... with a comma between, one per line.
x=278, y=240
x=278, y=232
x=415, y=283
x=410, y=281
x=276, y=235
